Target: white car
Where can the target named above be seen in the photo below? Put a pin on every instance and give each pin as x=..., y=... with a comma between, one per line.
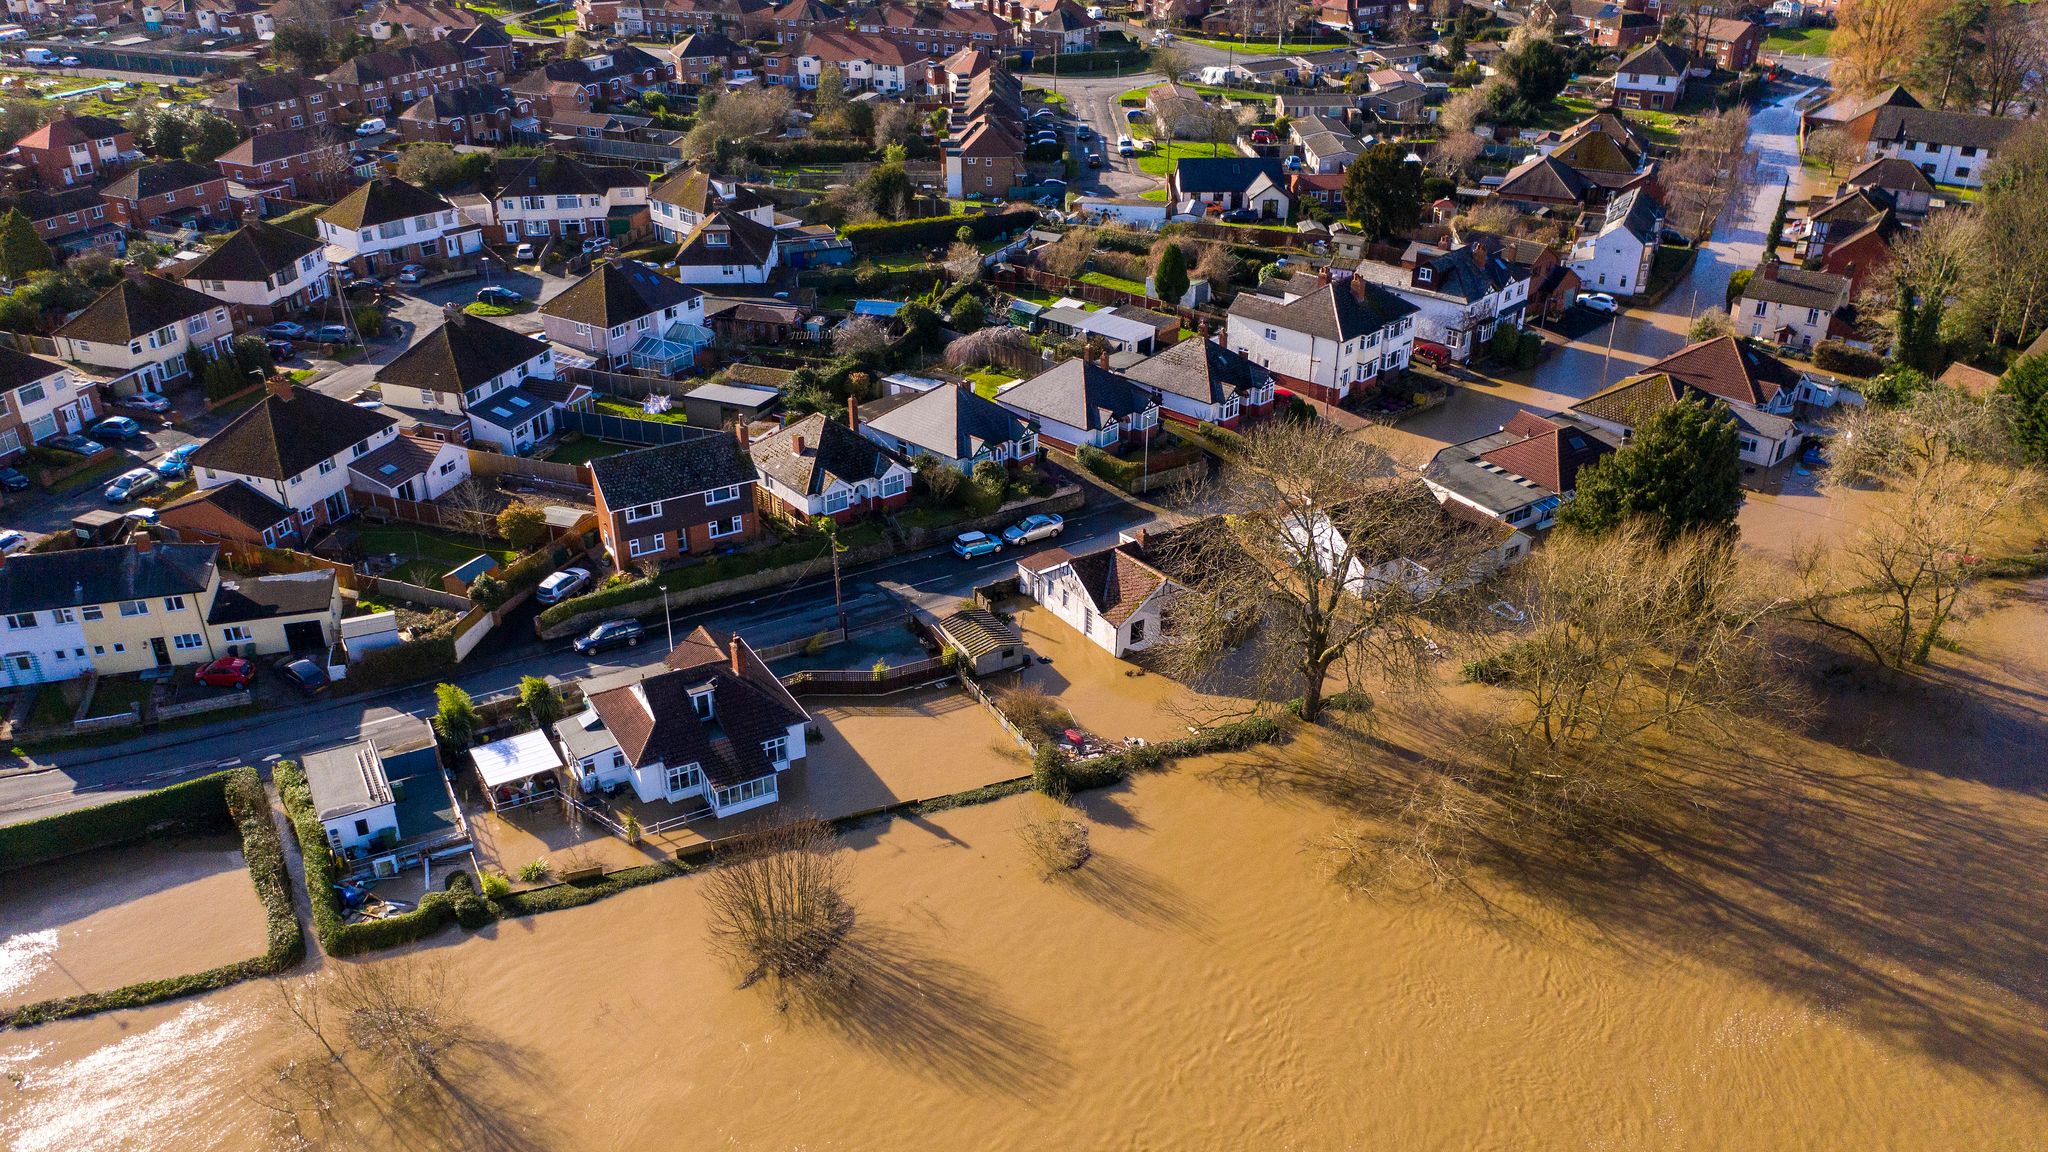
x=1599, y=302
x=69, y=61
x=523, y=253
x=562, y=585
x=374, y=126
x=1124, y=146
x=12, y=542
x=412, y=273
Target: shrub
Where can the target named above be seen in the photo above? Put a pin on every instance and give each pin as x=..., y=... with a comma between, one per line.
x=535, y=871
x=932, y=231
x=642, y=592
x=456, y=719
x=336, y=935
x=488, y=591
x=1836, y=356
x=369, y=322
x=497, y=885
x=1049, y=772
x=192, y=808
x=1055, y=843
x=411, y=663
x=523, y=525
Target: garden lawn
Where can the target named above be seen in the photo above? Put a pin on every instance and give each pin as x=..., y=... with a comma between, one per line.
x=96, y=474
x=1163, y=159
x=1158, y=194
x=114, y=697
x=1105, y=280
x=414, y=543
x=1265, y=47
x=632, y=411
x=585, y=450
x=1566, y=111
x=778, y=555
x=1799, y=41
x=987, y=380
x=1242, y=94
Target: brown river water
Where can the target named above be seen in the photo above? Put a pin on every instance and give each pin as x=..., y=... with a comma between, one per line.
x=1844, y=950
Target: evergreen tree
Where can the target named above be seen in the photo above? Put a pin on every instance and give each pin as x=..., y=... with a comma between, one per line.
x=21, y=250
x=2026, y=384
x=969, y=314
x=1382, y=191
x=1170, y=275
x=1682, y=470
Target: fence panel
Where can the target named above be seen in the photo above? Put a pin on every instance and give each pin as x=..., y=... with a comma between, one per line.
x=981, y=697
x=627, y=430
x=499, y=464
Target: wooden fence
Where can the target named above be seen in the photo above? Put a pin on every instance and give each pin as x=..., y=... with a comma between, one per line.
x=865, y=682
x=981, y=697
x=417, y=594
x=627, y=430
x=432, y=515
x=261, y=559
x=498, y=464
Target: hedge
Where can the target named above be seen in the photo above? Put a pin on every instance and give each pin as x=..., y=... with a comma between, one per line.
x=556, y=897
x=619, y=594
x=1835, y=356
x=338, y=937
x=933, y=231
x=241, y=796
x=1074, y=63
x=399, y=664
x=779, y=153
x=196, y=806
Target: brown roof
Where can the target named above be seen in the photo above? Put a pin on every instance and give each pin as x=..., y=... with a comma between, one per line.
x=1975, y=381
x=747, y=709
x=1730, y=369
x=1117, y=581
x=1551, y=455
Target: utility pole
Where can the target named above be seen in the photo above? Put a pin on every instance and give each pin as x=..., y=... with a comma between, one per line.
x=838, y=599
x=669, y=620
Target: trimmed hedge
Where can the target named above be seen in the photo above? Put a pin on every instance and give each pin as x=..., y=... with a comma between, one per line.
x=413, y=662
x=241, y=794
x=436, y=910
x=556, y=897
x=1836, y=356
x=933, y=231
x=194, y=807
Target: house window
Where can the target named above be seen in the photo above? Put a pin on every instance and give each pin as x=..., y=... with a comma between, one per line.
x=134, y=607
x=685, y=777
x=1137, y=631
x=326, y=466
x=722, y=495
x=649, y=546
x=893, y=485
x=702, y=703
x=777, y=750
x=236, y=634
x=643, y=512
x=361, y=447
x=63, y=616
x=174, y=603
x=21, y=620
x=1746, y=443
x=93, y=612
x=751, y=790
x=186, y=641
x=717, y=529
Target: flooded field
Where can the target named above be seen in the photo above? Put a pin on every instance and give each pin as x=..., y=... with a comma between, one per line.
x=106, y=919
x=1835, y=941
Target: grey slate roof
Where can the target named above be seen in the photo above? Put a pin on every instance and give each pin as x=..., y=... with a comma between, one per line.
x=134, y=308
x=1895, y=124
x=1333, y=312
x=1079, y=394
x=279, y=438
x=156, y=179
x=618, y=292
x=1196, y=174
x=461, y=354
x=1656, y=59
x=237, y=499
x=37, y=581
x=832, y=453
x=952, y=422
x=667, y=471
x=1800, y=289
x=1201, y=370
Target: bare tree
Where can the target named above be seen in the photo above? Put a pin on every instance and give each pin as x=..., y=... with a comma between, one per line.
x=1832, y=147
x=894, y=124
x=777, y=904
x=1215, y=263
x=1713, y=164
x=1876, y=41
x=963, y=263
x=1323, y=565
x=860, y=336
x=1947, y=480
x=1929, y=266
x=1055, y=841
x=2012, y=55
x=329, y=171
x=994, y=345
x=739, y=115
x=475, y=504
x=1452, y=155
x=1068, y=256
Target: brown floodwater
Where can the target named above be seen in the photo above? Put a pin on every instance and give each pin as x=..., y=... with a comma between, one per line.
x=105, y=919
x=1838, y=940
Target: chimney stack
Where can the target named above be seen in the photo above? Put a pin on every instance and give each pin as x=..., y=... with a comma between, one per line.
x=738, y=665
x=281, y=386
x=744, y=433
x=853, y=413
x=1770, y=268
x=1358, y=288
x=796, y=445
x=1323, y=278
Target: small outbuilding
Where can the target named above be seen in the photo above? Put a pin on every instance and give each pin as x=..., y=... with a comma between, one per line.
x=518, y=770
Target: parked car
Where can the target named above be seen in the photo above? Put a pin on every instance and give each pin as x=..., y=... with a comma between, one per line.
x=596, y=244
x=1095, y=159
x=969, y=545
x=373, y=126
x=1240, y=216
x=12, y=542
x=226, y=672
x=281, y=349
x=117, y=428
x=76, y=443
x=69, y=62
x=1264, y=136
x=148, y=402
x=362, y=284
x=13, y=479
x=610, y=634
x=177, y=463
x=332, y=334
x=412, y=273
x=524, y=252
x=285, y=330
x=1432, y=356
x=1125, y=146
x=562, y=585
x=303, y=673
x=1599, y=302
x=1034, y=528
x=131, y=484
x=502, y=297
x=1084, y=133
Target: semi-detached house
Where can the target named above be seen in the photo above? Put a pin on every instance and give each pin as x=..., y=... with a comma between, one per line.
x=171, y=193
x=1204, y=382
x=864, y=62
x=41, y=398
x=295, y=446
x=1461, y=296
x=470, y=380
x=626, y=313
x=385, y=83
x=77, y=150
x=1328, y=342
x=541, y=197
x=291, y=161
x=139, y=331
x=692, y=496
x=72, y=221
x=388, y=223
x=685, y=199
x=274, y=102
x=264, y=272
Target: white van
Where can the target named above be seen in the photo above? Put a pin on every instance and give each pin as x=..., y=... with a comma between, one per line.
x=372, y=127
x=38, y=56
x=13, y=32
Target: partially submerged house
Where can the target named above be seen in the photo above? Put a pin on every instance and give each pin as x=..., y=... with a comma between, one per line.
x=380, y=799
x=1522, y=473
x=1762, y=392
x=1114, y=596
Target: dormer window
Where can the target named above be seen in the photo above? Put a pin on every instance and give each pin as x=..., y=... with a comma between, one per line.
x=1423, y=275
x=701, y=703
x=715, y=239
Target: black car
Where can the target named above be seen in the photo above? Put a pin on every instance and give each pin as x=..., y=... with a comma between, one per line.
x=309, y=677
x=363, y=284
x=610, y=634
x=281, y=349
x=1240, y=216
x=12, y=480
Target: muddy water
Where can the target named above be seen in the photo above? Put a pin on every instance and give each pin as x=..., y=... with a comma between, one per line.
x=1200, y=985
x=106, y=919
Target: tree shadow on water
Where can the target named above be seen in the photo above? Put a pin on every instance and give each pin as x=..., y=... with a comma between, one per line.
x=884, y=992
x=1131, y=893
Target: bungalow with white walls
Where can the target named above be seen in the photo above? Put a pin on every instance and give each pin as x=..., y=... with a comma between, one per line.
x=1113, y=595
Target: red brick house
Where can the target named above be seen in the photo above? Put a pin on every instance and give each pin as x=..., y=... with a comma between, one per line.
x=940, y=31
x=169, y=190
x=295, y=160
x=71, y=221
x=388, y=82
x=794, y=19
x=77, y=150
x=693, y=59
x=483, y=115
x=274, y=102
x=1325, y=188
x=690, y=497
x=1731, y=44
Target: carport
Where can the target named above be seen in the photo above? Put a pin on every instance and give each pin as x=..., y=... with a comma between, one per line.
x=518, y=770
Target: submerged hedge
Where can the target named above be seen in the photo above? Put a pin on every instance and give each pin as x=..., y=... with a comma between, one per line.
x=243, y=801
x=191, y=808
x=436, y=910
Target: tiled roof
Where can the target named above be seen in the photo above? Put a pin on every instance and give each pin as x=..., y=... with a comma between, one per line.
x=1728, y=368
x=748, y=241
x=836, y=47
x=69, y=130
x=134, y=308
x=952, y=422
x=1333, y=312
x=832, y=454
x=146, y=180
x=36, y=581
x=239, y=502
x=1957, y=129
x=1203, y=370
x=1891, y=174
x=380, y=201
x=1117, y=581
x=279, y=438
x=1656, y=59
x=1800, y=289
x=257, y=251
x=372, y=67
x=1078, y=393
x=43, y=203
x=1632, y=402
x=1543, y=178
x=395, y=463
x=19, y=368
x=1197, y=174
x=669, y=471
x=270, y=147
x=1550, y=453
x=453, y=103
x=463, y=353
x=618, y=292
x=655, y=721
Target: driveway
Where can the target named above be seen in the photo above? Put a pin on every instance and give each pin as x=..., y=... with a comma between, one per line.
x=1092, y=100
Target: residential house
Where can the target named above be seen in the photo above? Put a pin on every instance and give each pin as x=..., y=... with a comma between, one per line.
x=958, y=427
x=1618, y=257
x=1731, y=45
x=414, y=468
x=1593, y=161
x=287, y=612
x=1552, y=286
x=273, y=102
x=420, y=19
x=1653, y=77
x=1122, y=333
x=1462, y=295
x=728, y=248
x=1201, y=381
x=1522, y=473
x=40, y=399
x=1327, y=146
x=168, y=194
x=75, y=150
x=1605, y=24
x=296, y=161
x=1761, y=391
x=617, y=73
x=1059, y=26
x=1402, y=102
x=294, y=446
x=1911, y=192
x=1328, y=343
x=818, y=466
x=550, y=196
x=865, y=62
x=1080, y=403
x=711, y=733
x=984, y=152
x=1293, y=105
x=1229, y=183
x=391, y=80
x=481, y=116
x=1115, y=596
x=71, y=221
x=1794, y=308
x=502, y=381
x=1859, y=254
x=937, y=30
x=700, y=57
x=264, y=272
x=681, y=202
x=794, y=19
x=1949, y=147
x=141, y=330
x=230, y=512
x=353, y=795
x=742, y=19
x=387, y=223
x=627, y=314
x=686, y=498
x=1354, y=15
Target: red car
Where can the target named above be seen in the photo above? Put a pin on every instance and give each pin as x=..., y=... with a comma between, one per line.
x=227, y=672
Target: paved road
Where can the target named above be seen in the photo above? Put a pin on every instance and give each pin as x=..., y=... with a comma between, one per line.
x=87, y=776
x=1092, y=101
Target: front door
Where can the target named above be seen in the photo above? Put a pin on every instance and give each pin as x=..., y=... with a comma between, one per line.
x=161, y=651
x=21, y=668
x=337, y=506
